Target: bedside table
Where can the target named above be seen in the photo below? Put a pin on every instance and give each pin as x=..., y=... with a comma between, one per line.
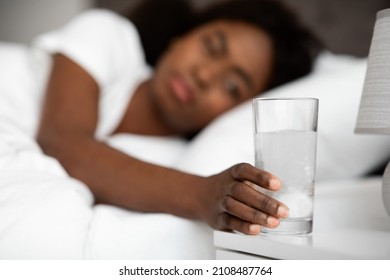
x=350, y=222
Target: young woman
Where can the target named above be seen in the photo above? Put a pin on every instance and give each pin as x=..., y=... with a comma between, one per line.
x=99, y=84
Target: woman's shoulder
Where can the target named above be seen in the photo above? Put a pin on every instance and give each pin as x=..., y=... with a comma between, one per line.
x=99, y=14
x=92, y=30
x=102, y=19
x=102, y=42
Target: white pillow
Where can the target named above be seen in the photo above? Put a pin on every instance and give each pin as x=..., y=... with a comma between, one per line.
x=337, y=82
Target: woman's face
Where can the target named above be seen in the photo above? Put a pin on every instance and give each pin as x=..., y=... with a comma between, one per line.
x=210, y=70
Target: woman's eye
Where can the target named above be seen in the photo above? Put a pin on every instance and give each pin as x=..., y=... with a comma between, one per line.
x=233, y=88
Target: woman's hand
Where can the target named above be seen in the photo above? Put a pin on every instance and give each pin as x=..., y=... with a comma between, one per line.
x=231, y=201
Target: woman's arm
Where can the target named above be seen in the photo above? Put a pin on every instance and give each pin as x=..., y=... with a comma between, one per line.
x=66, y=132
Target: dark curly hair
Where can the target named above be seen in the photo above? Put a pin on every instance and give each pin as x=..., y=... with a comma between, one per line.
x=295, y=47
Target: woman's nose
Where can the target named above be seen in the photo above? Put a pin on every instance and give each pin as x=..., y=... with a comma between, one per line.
x=204, y=75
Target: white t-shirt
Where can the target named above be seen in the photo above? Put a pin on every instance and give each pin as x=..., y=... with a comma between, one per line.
x=104, y=44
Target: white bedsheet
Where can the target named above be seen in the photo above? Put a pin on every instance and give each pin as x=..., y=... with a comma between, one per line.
x=45, y=214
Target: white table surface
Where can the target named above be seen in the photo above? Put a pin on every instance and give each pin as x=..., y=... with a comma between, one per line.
x=350, y=222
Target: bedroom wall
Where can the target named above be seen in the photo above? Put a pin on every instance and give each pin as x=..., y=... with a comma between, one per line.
x=345, y=26
x=22, y=20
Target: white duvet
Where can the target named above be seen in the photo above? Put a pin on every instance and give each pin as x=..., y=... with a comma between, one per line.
x=45, y=214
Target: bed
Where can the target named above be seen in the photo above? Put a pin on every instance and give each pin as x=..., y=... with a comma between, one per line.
x=45, y=214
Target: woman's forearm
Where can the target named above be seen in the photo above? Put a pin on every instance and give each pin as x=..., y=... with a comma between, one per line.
x=118, y=179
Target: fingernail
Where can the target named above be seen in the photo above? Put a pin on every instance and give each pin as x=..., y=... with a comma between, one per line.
x=254, y=229
x=282, y=211
x=274, y=184
x=272, y=221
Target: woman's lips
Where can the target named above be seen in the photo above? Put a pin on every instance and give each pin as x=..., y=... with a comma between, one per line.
x=181, y=89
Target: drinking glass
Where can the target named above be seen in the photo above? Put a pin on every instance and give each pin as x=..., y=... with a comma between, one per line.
x=285, y=136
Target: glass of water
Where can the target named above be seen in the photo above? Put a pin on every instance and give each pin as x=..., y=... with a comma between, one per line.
x=285, y=136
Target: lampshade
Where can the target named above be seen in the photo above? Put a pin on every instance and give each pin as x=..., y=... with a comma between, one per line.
x=374, y=111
